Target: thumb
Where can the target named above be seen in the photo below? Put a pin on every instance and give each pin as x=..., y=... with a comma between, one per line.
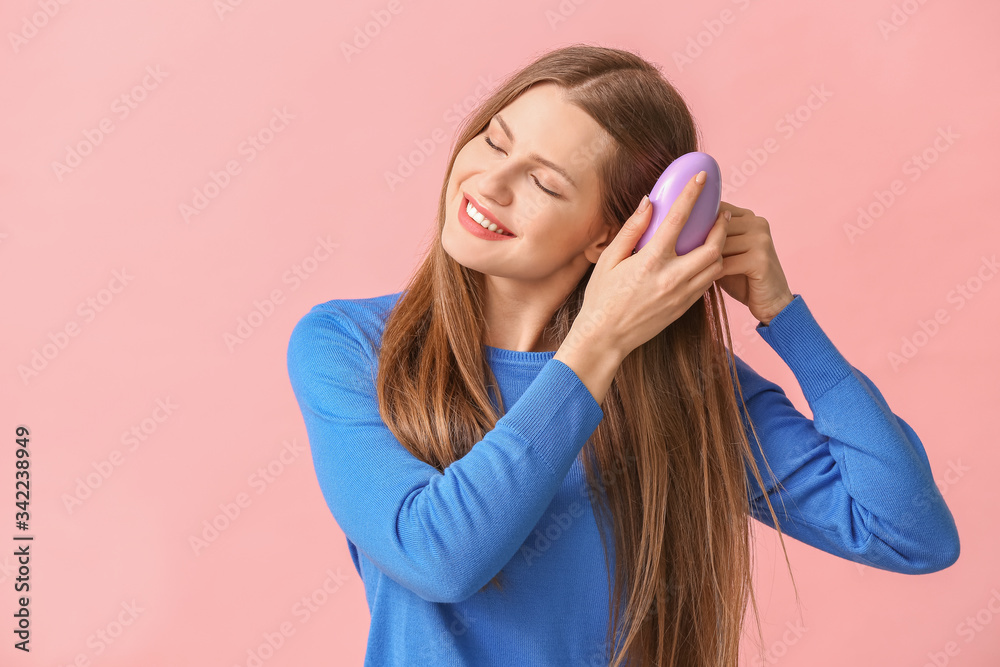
x=624, y=242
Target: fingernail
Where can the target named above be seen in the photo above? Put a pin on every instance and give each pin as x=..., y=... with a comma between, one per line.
x=643, y=204
x=700, y=178
x=728, y=215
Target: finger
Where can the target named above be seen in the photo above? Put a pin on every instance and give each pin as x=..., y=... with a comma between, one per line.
x=737, y=264
x=664, y=240
x=719, y=233
x=695, y=263
x=712, y=259
x=702, y=280
x=735, y=210
x=737, y=243
x=739, y=225
x=624, y=242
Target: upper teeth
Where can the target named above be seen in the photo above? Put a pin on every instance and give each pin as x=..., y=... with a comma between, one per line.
x=481, y=219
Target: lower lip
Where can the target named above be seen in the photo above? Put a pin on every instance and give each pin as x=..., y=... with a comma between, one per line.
x=477, y=229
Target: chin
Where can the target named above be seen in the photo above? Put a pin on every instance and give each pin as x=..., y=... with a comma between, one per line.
x=459, y=252
x=449, y=244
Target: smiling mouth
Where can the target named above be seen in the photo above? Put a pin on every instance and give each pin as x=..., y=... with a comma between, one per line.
x=482, y=220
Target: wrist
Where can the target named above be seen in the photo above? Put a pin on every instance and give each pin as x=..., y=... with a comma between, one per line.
x=775, y=310
x=592, y=356
x=580, y=342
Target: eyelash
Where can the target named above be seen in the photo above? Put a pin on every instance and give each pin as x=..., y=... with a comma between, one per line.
x=495, y=147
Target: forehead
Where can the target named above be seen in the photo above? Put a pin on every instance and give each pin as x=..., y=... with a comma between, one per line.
x=543, y=121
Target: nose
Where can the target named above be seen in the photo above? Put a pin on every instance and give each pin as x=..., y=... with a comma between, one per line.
x=495, y=185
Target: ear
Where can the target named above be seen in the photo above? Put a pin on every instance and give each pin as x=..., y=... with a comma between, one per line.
x=603, y=237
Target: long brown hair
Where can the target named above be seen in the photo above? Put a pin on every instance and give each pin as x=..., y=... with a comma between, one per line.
x=675, y=449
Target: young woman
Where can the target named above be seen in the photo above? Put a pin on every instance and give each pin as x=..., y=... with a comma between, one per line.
x=544, y=411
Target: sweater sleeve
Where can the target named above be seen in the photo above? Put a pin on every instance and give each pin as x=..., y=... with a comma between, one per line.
x=857, y=481
x=441, y=535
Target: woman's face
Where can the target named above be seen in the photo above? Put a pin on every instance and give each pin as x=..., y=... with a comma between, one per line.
x=512, y=174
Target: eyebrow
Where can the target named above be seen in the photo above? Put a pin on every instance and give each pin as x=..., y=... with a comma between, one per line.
x=535, y=156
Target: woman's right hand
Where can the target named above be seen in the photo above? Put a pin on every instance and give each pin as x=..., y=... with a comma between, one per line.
x=631, y=298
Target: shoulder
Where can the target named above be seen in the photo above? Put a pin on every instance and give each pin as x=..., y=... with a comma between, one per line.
x=342, y=325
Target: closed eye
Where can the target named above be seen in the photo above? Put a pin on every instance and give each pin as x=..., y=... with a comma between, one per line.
x=495, y=147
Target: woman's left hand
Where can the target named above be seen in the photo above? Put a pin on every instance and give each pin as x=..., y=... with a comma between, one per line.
x=750, y=268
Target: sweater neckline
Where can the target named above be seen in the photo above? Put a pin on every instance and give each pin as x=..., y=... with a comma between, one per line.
x=501, y=354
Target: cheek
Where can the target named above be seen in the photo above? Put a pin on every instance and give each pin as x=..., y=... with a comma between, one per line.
x=460, y=173
x=465, y=158
x=567, y=237
x=537, y=210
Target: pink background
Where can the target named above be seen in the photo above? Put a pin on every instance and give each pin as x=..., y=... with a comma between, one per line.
x=319, y=177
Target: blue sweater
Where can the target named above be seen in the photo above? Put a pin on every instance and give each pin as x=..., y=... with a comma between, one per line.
x=857, y=481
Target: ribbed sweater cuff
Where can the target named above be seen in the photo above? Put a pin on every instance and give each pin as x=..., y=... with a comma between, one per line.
x=558, y=432
x=812, y=357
